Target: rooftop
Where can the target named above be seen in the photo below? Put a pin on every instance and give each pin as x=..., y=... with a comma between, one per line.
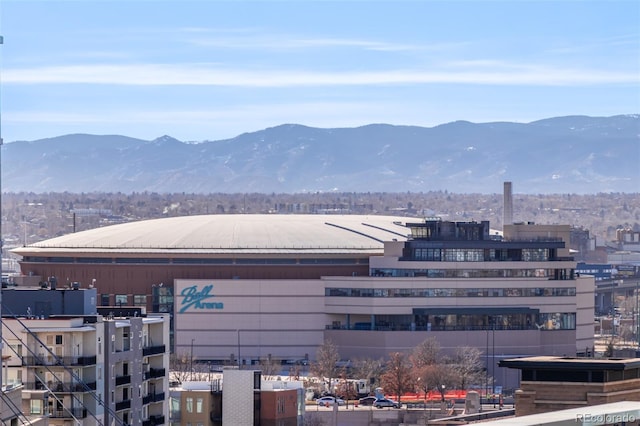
x=251, y=233
x=570, y=363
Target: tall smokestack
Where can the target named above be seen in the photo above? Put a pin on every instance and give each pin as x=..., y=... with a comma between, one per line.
x=507, y=208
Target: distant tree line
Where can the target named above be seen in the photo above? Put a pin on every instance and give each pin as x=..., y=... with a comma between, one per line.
x=32, y=217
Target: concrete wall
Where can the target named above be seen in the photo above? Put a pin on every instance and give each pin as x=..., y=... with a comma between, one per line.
x=542, y=397
x=237, y=397
x=254, y=318
x=46, y=302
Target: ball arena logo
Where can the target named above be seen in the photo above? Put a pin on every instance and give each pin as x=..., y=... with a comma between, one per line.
x=192, y=298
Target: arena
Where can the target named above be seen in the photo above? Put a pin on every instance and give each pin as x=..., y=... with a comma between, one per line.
x=243, y=288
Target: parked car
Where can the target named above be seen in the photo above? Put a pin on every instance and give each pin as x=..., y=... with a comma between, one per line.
x=384, y=402
x=329, y=400
x=367, y=400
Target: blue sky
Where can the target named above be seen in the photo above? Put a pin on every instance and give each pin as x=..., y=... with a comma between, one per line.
x=209, y=70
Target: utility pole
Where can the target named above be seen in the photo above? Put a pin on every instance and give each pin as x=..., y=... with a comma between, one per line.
x=191, y=361
x=239, y=361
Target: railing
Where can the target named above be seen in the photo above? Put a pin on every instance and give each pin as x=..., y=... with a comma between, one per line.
x=123, y=380
x=78, y=413
x=153, y=350
x=60, y=360
x=71, y=387
x=154, y=373
x=153, y=420
x=123, y=405
x=408, y=327
x=158, y=397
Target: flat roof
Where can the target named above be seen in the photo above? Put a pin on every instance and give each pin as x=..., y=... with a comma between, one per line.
x=83, y=329
x=570, y=363
x=591, y=415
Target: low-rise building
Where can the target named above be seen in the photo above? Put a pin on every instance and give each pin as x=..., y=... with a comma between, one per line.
x=557, y=383
x=238, y=397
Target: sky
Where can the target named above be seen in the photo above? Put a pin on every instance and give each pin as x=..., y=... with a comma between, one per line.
x=212, y=70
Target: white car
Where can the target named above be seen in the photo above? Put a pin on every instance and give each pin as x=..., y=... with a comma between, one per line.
x=329, y=400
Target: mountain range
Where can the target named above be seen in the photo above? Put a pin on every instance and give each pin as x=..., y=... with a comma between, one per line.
x=573, y=154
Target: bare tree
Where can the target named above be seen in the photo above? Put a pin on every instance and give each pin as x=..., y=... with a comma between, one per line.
x=440, y=376
x=325, y=367
x=180, y=366
x=368, y=369
x=467, y=365
x=398, y=377
x=426, y=353
x=270, y=368
x=183, y=369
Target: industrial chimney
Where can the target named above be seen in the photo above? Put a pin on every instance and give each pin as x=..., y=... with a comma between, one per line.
x=507, y=208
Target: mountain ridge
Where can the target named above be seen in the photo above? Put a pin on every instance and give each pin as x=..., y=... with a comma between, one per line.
x=571, y=154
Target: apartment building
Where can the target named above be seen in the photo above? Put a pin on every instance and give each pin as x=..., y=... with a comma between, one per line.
x=84, y=369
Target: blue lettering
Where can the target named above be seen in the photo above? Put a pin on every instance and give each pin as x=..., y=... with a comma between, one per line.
x=192, y=298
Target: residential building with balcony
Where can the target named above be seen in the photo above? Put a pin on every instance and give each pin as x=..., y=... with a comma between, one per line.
x=84, y=369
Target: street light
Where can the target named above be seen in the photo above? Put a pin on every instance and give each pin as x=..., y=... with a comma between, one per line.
x=239, y=361
x=442, y=392
x=191, y=360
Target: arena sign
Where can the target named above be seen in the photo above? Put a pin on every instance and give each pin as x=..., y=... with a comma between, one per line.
x=198, y=299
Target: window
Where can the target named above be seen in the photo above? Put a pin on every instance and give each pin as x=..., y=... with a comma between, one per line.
x=140, y=300
x=104, y=299
x=35, y=406
x=121, y=299
x=199, y=405
x=16, y=349
x=189, y=405
x=58, y=339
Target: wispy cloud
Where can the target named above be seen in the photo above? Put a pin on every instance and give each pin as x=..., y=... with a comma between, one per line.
x=479, y=73
x=257, y=41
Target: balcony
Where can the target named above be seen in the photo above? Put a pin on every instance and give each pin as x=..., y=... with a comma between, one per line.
x=153, y=350
x=154, y=420
x=69, y=413
x=158, y=397
x=28, y=361
x=83, y=360
x=123, y=405
x=123, y=380
x=154, y=373
x=69, y=387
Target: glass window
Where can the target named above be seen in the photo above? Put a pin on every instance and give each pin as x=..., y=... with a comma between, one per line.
x=140, y=300
x=199, y=402
x=104, y=299
x=189, y=404
x=174, y=404
x=121, y=299
x=36, y=406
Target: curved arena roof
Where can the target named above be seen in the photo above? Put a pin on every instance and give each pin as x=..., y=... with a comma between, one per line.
x=219, y=234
